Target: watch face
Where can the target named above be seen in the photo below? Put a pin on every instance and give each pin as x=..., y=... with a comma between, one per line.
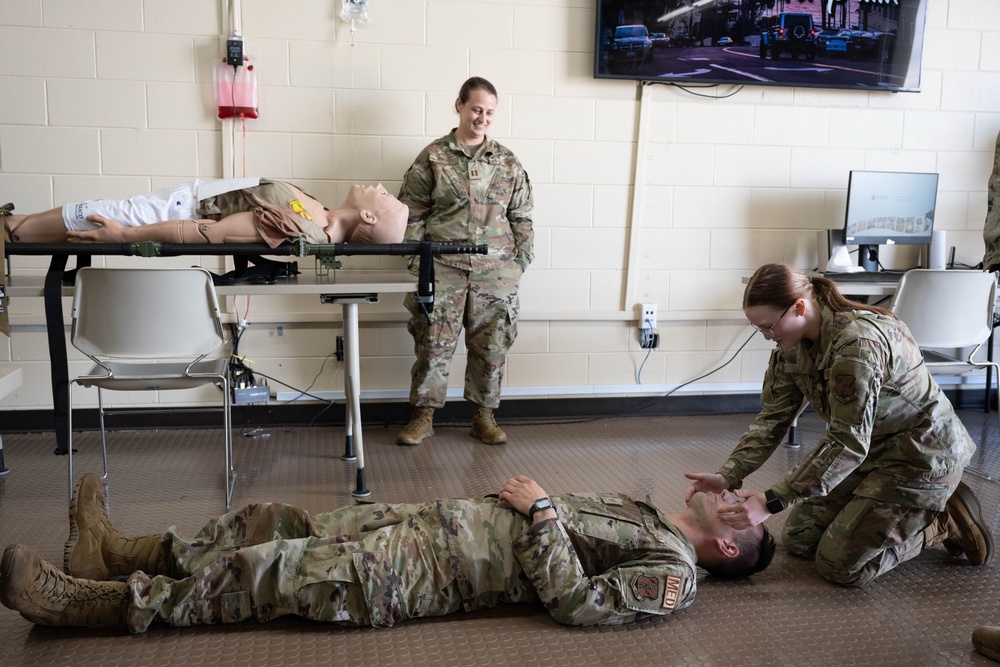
x=539, y=505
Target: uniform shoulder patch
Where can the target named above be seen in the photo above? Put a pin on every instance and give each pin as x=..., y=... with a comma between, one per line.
x=646, y=587
x=846, y=387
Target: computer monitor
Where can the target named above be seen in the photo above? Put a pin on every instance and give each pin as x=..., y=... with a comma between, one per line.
x=888, y=208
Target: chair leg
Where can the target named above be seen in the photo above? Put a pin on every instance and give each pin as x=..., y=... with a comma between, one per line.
x=69, y=441
x=976, y=471
x=230, y=471
x=104, y=436
x=792, y=442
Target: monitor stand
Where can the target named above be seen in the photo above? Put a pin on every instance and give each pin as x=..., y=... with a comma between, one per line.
x=868, y=257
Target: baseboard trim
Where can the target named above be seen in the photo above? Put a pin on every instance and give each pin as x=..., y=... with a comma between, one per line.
x=393, y=413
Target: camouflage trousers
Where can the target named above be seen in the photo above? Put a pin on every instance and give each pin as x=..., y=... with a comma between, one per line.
x=368, y=564
x=486, y=304
x=853, y=539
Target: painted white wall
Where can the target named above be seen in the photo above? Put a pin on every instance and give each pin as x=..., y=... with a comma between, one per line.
x=111, y=98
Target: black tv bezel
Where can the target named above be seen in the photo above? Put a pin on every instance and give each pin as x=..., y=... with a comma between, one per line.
x=915, y=61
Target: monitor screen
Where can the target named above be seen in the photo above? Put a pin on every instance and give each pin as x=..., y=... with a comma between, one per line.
x=854, y=44
x=888, y=208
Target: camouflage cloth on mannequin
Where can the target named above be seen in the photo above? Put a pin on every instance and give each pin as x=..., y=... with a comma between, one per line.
x=991, y=229
x=892, y=455
x=487, y=302
x=482, y=198
x=606, y=560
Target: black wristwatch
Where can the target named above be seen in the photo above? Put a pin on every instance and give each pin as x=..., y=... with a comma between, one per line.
x=538, y=506
x=774, y=503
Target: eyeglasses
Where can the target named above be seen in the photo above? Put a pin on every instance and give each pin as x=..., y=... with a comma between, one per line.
x=769, y=331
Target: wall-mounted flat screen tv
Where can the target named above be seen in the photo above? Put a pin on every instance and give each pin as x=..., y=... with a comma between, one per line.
x=853, y=44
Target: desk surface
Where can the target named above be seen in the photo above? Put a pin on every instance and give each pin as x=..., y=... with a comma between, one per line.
x=857, y=289
x=339, y=282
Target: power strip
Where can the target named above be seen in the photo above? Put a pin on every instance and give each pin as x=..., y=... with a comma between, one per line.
x=242, y=395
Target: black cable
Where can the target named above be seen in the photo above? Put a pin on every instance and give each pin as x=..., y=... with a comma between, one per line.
x=689, y=89
x=655, y=399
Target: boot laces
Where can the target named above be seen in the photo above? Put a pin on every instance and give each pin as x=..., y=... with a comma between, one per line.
x=487, y=419
x=58, y=587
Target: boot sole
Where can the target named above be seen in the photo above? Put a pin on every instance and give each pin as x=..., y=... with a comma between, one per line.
x=409, y=442
x=988, y=652
x=969, y=498
x=6, y=564
x=74, y=531
x=478, y=436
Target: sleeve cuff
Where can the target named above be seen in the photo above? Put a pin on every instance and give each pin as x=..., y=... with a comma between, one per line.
x=785, y=492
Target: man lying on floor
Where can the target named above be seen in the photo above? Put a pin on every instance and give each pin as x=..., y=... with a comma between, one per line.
x=589, y=558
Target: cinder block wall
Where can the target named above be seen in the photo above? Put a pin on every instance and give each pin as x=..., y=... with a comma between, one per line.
x=113, y=98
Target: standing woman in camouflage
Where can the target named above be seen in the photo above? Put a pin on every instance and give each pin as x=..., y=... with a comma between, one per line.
x=467, y=187
x=885, y=480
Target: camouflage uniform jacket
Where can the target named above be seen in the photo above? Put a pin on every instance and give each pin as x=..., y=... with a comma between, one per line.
x=607, y=559
x=991, y=229
x=278, y=213
x=484, y=199
x=887, y=417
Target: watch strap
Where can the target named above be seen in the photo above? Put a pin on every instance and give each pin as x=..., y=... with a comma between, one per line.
x=539, y=505
x=774, y=503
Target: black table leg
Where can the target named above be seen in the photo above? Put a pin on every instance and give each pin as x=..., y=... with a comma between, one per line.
x=56, y=331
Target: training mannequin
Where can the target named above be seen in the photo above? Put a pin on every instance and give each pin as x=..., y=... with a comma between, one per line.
x=232, y=211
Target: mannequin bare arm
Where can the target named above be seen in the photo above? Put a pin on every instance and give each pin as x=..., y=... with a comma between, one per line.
x=236, y=228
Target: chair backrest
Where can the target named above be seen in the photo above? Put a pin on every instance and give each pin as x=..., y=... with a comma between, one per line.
x=147, y=313
x=946, y=308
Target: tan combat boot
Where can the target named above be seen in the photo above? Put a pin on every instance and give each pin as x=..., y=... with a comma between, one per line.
x=95, y=549
x=45, y=596
x=484, y=426
x=961, y=528
x=421, y=426
x=986, y=639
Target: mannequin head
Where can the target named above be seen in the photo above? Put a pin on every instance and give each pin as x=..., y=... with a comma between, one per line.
x=369, y=214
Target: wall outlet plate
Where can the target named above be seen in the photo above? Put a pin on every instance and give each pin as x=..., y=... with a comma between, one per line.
x=648, y=320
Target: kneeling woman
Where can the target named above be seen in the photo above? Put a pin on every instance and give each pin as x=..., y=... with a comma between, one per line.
x=881, y=484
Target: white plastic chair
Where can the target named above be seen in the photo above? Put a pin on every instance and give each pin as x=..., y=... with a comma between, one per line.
x=150, y=329
x=948, y=311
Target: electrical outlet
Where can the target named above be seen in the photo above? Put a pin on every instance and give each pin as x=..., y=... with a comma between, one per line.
x=648, y=319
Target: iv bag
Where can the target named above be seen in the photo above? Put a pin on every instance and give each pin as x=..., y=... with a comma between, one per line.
x=236, y=88
x=354, y=10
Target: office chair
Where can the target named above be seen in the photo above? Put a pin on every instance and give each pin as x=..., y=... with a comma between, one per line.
x=948, y=311
x=150, y=329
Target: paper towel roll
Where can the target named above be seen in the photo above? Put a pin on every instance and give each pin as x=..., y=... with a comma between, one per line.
x=938, y=254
